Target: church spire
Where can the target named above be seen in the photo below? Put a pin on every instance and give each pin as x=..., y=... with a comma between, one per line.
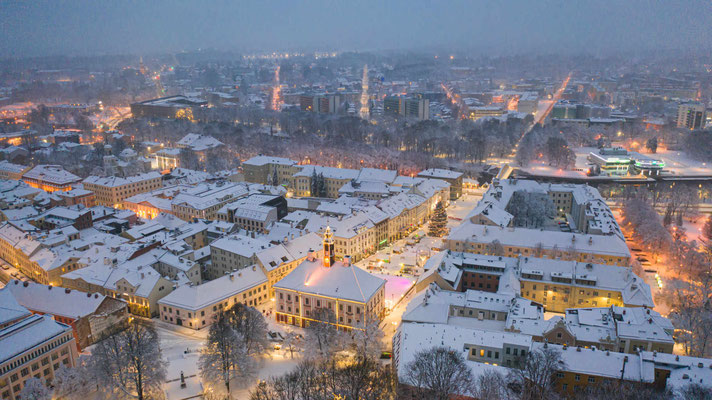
x=328, y=247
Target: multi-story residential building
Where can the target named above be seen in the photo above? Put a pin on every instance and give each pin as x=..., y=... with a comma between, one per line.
x=78, y=196
x=255, y=212
x=205, y=200
x=134, y=280
x=90, y=315
x=111, y=191
x=351, y=295
x=558, y=285
x=512, y=242
x=176, y=267
x=50, y=178
x=168, y=107
x=33, y=347
x=200, y=145
x=12, y=171
x=621, y=329
x=691, y=115
x=322, y=104
x=36, y=259
x=263, y=169
x=454, y=178
x=329, y=180
x=233, y=253
x=409, y=107
x=195, y=306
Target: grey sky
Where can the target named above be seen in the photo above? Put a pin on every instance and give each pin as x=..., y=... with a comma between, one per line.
x=42, y=27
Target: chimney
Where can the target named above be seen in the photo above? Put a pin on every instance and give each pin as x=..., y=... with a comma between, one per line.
x=232, y=277
x=347, y=261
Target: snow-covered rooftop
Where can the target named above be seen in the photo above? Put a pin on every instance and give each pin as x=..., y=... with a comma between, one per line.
x=200, y=296
x=341, y=281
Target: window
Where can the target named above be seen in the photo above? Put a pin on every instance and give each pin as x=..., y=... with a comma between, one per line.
x=577, y=377
x=591, y=379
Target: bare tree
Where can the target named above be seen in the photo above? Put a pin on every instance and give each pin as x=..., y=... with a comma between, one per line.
x=535, y=372
x=695, y=391
x=492, y=385
x=129, y=362
x=438, y=373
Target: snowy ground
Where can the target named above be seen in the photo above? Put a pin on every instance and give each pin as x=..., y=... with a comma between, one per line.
x=693, y=228
x=181, y=349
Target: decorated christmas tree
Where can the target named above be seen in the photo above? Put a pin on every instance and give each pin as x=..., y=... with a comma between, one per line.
x=438, y=222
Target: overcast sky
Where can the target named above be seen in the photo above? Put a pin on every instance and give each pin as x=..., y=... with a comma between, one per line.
x=48, y=27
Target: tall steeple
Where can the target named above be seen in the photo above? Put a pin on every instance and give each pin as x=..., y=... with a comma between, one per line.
x=364, y=112
x=328, y=247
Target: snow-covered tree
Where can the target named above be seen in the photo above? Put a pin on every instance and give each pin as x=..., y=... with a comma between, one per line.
x=369, y=340
x=289, y=345
x=251, y=326
x=691, y=314
x=225, y=357
x=35, y=389
x=362, y=378
x=72, y=383
x=530, y=209
x=129, y=363
x=707, y=230
x=323, y=339
x=439, y=373
x=438, y=222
